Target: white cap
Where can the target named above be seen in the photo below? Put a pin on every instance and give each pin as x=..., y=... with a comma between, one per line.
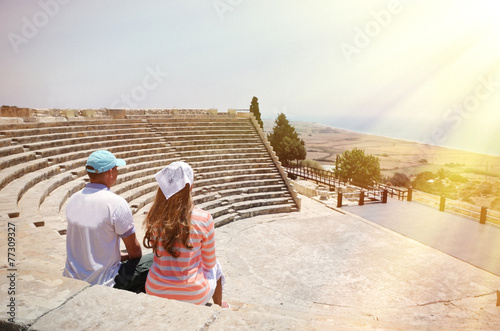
x=174, y=177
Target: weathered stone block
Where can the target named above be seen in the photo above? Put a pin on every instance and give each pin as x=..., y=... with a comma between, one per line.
x=68, y=112
x=88, y=112
x=105, y=308
x=40, y=288
x=117, y=113
x=7, y=111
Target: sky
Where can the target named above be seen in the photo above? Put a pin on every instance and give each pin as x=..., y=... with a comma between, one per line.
x=422, y=70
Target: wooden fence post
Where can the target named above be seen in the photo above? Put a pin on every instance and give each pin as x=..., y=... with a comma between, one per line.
x=361, y=198
x=384, y=196
x=339, y=200
x=442, y=203
x=410, y=194
x=482, y=218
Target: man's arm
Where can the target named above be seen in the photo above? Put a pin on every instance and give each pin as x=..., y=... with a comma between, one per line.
x=133, y=247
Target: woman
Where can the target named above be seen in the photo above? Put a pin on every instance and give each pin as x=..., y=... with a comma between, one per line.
x=185, y=267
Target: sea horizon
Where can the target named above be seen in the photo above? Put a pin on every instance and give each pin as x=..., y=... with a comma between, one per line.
x=364, y=127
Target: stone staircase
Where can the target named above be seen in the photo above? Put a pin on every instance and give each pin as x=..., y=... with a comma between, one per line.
x=236, y=174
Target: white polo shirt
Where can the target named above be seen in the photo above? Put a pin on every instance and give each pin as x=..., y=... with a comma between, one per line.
x=97, y=219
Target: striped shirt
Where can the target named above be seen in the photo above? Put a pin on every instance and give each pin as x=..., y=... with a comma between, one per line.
x=182, y=278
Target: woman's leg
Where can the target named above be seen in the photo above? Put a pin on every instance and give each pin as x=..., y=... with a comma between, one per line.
x=217, y=297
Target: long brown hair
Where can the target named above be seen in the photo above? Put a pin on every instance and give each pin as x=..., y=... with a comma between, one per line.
x=169, y=221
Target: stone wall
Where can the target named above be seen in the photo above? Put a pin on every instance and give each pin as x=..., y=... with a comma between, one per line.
x=32, y=114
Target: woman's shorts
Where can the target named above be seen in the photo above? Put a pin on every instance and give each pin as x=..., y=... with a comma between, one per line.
x=212, y=276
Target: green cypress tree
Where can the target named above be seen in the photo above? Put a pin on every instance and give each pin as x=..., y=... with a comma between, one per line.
x=254, y=109
x=286, y=142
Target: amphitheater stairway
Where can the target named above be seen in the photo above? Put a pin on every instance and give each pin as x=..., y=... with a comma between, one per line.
x=42, y=164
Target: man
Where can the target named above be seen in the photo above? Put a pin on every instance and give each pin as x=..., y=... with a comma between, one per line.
x=97, y=219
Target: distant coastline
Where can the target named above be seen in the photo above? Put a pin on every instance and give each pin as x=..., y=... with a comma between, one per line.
x=488, y=151
x=416, y=141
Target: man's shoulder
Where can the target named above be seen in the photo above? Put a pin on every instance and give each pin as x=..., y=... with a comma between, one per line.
x=102, y=194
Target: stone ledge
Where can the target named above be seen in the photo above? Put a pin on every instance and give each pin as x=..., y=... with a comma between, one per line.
x=104, y=308
x=40, y=288
x=45, y=300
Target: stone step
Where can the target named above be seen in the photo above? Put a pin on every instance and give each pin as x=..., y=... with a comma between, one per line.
x=31, y=201
x=138, y=203
x=29, y=129
x=81, y=141
x=4, y=142
x=221, y=141
x=177, y=139
x=14, y=172
x=226, y=219
x=257, y=173
x=218, y=153
x=235, y=200
x=12, y=160
x=229, y=166
x=264, y=210
x=147, y=186
x=250, y=208
x=199, y=121
x=254, y=146
x=214, y=131
x=221, y=179
x=213, y=185
x=203, y=162
x=79, y=133
x=9, y=150
x=128, y=185
x=133, y=158
x=135, y=148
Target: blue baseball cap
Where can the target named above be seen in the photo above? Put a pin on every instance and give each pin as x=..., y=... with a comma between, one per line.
x=102, y=161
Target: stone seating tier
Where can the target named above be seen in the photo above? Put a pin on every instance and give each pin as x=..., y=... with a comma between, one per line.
x=200, y=138
x=77, y=142
x=38, y=170
x=230, y=161
x=209, y=146
x=212, y=131
x=78, y=133
x=114, y=148
x=132, y=170
x=7, y=129
x=222, y=159
x=10, y=174
x=104, y=144
x=9, y=150
x=4, y=142
x=8, y=161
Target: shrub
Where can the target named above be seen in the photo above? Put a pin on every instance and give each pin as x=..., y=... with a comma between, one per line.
x=456, y=178
x=495, y=204
x=356, y=167
x=312, y=164
x=484, y=188
x=399, y=179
